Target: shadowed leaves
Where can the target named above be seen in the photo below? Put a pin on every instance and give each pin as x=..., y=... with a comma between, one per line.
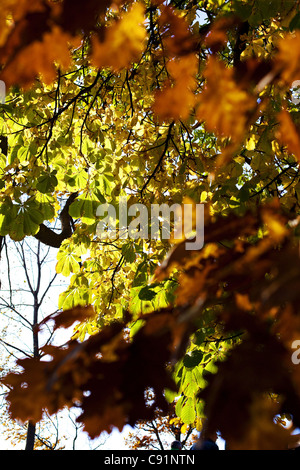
x=99, y=375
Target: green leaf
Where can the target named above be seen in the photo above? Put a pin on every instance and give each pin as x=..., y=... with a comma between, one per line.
x=193, y=359
x=179, y=405
x=105, y=183
x=74, y=296
x=188, y=414
x=243, y=10
x=45, y=204
x=128, y=252
x=170, y=395
x=136, y=326
x=26, y=221
x=84, y=208
x=199, y=337
x=46, y=183
x=189, y=386
x=136, y=305
x=76, y=181
x=78, y=293
x=141, y=274
x=146, y=293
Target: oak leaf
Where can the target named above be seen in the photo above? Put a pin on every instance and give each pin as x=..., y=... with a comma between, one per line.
x=217, y=37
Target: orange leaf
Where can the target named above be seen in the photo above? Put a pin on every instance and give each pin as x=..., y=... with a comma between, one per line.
x=40, y=57
x=177, y=98
x=124, y=41
x=223, y=105
x=288, y=134
x=288, y=57
x=175, y=33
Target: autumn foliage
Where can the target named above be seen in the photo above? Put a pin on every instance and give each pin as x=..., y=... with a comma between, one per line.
x=161, y=102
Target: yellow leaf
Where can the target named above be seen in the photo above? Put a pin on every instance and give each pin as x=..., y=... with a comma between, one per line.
x=124, y=41
x=203, y=196
x=184, y=428
x=276, y=227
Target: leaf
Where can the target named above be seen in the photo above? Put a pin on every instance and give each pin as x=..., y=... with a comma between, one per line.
x=176, y=100
x=85, y=207
x=75, y=295
x=265, y=433
x=128, y=252
x=295, y=22
x=193, y=359
x=67, y=260
x=137, y=305
x=77, y=181
x=68, y=317
x=46, y=183
x=141, y=274
x=105, y=184
x=287, y=59
x=146, y=293
x=40, y=57
x=129, y=30
x=187, y=413
x=223, y=105
x=27, y=220
x=288, y=134
x=46, y=205
x=176, y=35
x=95, y=360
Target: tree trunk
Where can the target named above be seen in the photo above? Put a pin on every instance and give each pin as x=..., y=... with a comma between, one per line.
x=30, y=439
x=30, y=436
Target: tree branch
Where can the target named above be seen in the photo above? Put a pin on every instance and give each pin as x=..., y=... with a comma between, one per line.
x=47, y=236
x=160, y=159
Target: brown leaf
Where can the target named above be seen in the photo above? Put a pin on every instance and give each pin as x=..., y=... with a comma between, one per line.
x=263, y=432
x=254, y=369
x=108, y=375
x=67, y=318
x=175, y=32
